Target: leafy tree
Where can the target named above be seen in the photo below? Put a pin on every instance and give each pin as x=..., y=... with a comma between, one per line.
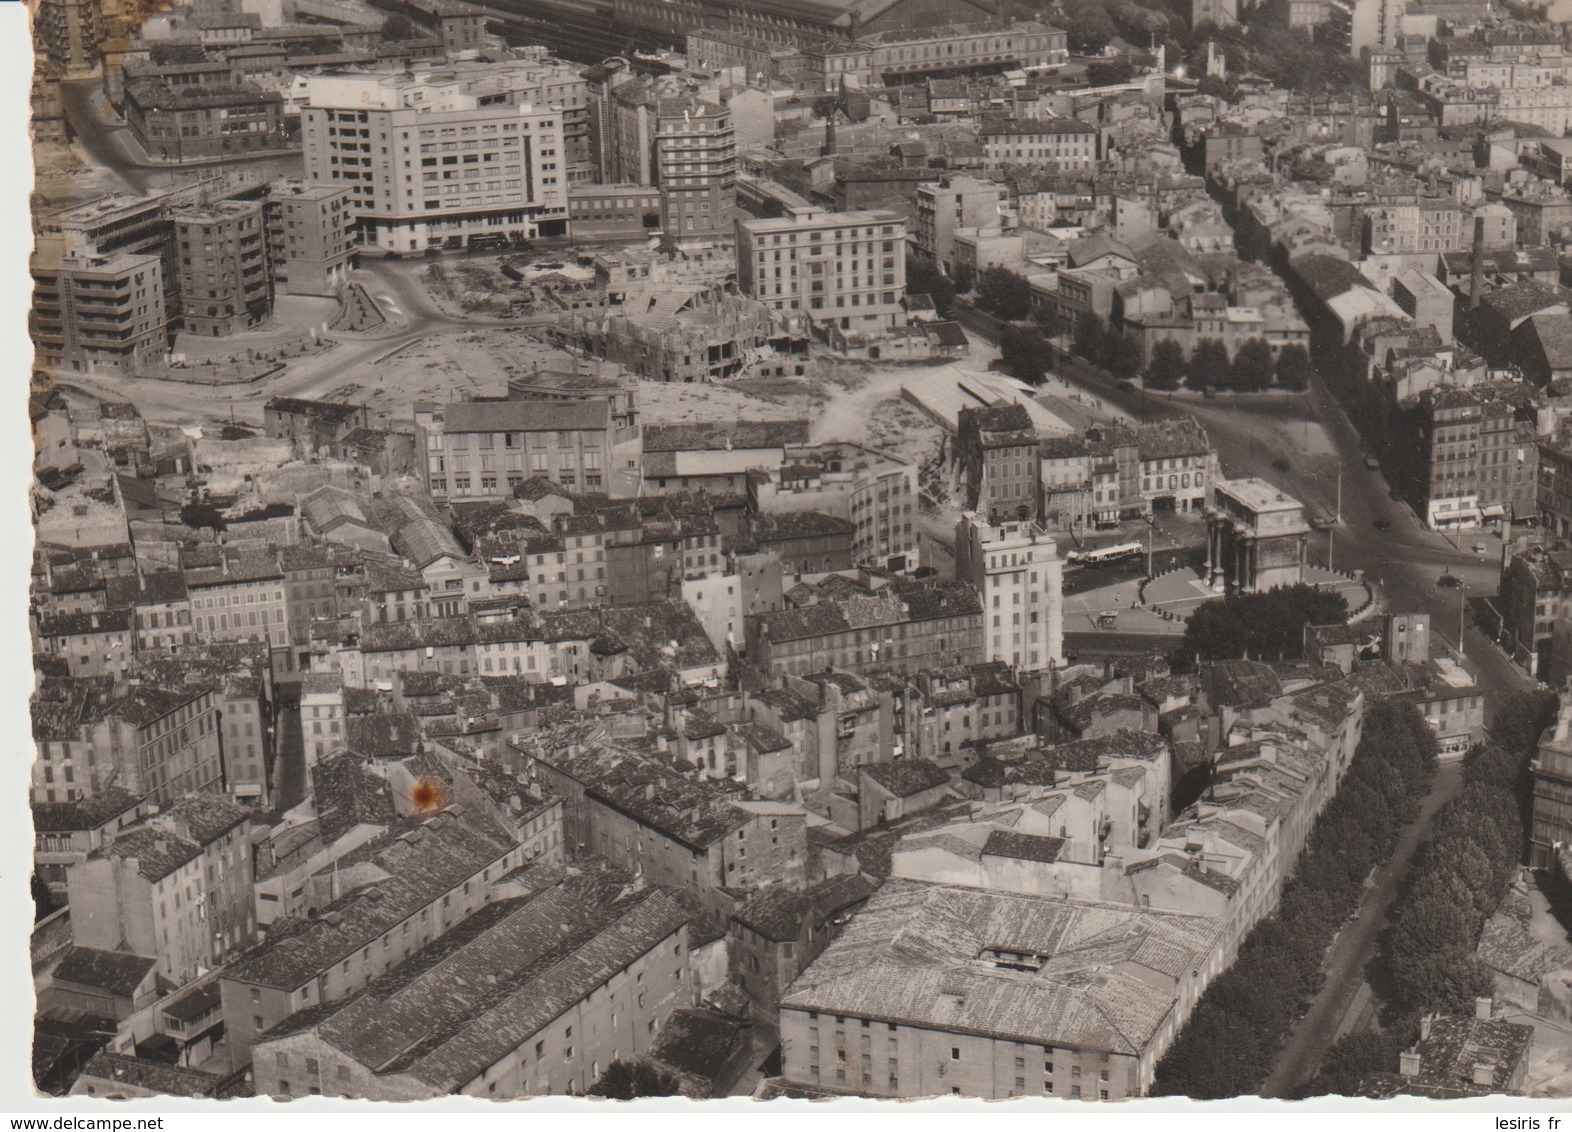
x=626, y=1080
x=1024, y=352
x=1268, y=625
x=1167, y=366
x=1122, y=355
x=399, y=26
x=1004, y=294
x=942, y=292
x=1231, y=1041
x=1089, y=26
x=1209, y=367
x=962, y=278
x=1251, y=370
x=1090, y=331
x=1048, y=321
x=923, y=279
x=1522, y=719
x=1355, y=1056
x=1293, y=369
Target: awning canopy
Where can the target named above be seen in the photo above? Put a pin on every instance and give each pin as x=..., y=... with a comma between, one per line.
x=1494, y=511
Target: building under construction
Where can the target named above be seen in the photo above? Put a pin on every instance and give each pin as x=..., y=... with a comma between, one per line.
x=690, y=334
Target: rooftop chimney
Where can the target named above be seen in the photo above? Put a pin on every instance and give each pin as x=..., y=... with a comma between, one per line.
x=1484, y=1074
x=1482, y=1008
x=1408, y=1063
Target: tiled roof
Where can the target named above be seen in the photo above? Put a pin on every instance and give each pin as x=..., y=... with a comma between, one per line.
x=916, y=954
x=157, y=853
x=466, y=1002
x=207, y=816
x=162, y=587
x=779, y=912
x=1022, y=846
x=906, y=777
x=118, y=972
x=421, y=863
x=84, y=813
x=85, y=624
x=154, y=1076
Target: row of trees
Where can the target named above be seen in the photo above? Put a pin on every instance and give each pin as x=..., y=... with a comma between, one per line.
x=1028, y=350
x=1232, y=1039
x=1425, y=960
x=1266, y=626
x=1208, y=367
x=1478, y=839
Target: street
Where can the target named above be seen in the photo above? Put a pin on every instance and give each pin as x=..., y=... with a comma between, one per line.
x=107, y=148
x=1355, y=946
x=289, y=778
x=391, y=284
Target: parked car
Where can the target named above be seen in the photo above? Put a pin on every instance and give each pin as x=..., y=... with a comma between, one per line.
x=1448, y=582
x=1383, y=525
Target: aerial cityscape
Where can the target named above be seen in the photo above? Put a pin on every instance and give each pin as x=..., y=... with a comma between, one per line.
x=801, y=549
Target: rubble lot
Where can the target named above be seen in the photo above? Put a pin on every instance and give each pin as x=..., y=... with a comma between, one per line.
x=845, y=400
x=447, y=367
x=853, y=401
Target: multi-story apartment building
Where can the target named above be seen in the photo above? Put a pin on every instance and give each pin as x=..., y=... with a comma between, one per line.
x=905, y=626
x=845, y=268
x=875, y=491
x=1063, y=144
x=225, y=284
x=695, y=167
x=700, y=836
x=176, y=886
x=887, y=58
x=484, y=449
x=68, y=34
x=64, y=833
x=418, y=884
x=240, y=597
x=159, y=605
x=980, y=1009
x=310, y=232
x=1016, y=569
x=996, y=460
x=1551, y=828
x=1351, y=26
x=155, y=742
x=575, y=977
x=203, y=122
x=96, y=643
x=1465, y=456
x=429, y=161
x=951, y=205
x=1533, y=591
x=96, y=314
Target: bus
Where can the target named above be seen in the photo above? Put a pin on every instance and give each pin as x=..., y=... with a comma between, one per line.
x=1105, y=555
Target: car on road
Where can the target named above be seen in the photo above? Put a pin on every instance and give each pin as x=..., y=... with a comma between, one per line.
x=1448, y=582
x=1480, y=548
x=1383, y=525
x=1282, y=465
x=1126, y=387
